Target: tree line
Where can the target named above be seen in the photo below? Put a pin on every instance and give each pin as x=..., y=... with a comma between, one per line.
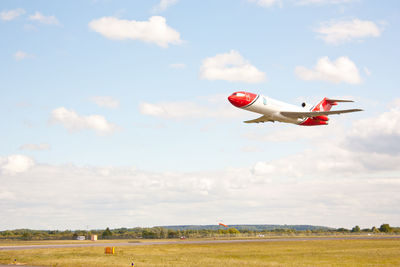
x=165, y=232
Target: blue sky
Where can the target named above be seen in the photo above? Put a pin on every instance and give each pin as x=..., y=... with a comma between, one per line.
x=115, y=113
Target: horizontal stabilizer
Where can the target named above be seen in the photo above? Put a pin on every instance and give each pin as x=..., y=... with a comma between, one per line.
x=338, y=100
x=260, y=119
x=310, y=114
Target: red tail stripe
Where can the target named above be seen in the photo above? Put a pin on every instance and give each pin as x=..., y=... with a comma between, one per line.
x=325, y=105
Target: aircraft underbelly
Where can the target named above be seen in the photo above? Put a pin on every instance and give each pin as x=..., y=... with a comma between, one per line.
x=270, y=111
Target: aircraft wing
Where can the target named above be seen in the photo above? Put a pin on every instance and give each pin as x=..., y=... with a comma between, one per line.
x=309, y=114
x=260, y=119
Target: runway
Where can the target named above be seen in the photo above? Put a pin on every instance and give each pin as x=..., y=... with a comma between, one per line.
x=286, y=239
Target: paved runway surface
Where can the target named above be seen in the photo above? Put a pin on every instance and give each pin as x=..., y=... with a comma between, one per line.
x=194, y=242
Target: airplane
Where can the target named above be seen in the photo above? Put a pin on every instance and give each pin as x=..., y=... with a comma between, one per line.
x=274, y=110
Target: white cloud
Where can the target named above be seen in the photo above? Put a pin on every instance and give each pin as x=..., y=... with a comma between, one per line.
x=124, y=196
x=20, y=55
x=50, y=20
x=14, y=164
x=323, y=2
x=395, y=104
x=105, y=101
x=314, y=162
x=33, y=147
x=163, y=5
x=380, y=134
x=230, y=67
x=75, y=122
x=210, y=107
x=341, y=70
x=267, y=3
x=6, y=195
x=177, y=66
x=337, y=32
x=155, y=30
x=8, y=15
x=328, y=160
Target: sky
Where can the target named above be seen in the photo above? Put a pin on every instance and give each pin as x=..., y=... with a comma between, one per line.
x=115, y=113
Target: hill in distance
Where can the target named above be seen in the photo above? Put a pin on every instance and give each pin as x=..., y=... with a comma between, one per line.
x=249, y=227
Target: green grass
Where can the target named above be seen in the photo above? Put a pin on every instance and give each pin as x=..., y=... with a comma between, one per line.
x=293, y=253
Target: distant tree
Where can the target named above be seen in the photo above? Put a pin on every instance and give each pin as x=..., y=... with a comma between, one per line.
x=163, y=233
x=149, y=233
x=7, y=233
x=233, y=231
x=186, y=233
x=107, y=233
x=26, y=236
x=172, y=234
x=374, y=229
x=122, y=231
x=385, y=228
x=355, y=229
x=222, y=232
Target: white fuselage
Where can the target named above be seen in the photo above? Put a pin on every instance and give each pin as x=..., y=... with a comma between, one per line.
x=271, y=108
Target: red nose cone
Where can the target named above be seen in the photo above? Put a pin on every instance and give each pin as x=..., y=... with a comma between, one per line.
x=241, y=99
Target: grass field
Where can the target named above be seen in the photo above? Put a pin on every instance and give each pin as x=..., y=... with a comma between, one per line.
x=293, y=253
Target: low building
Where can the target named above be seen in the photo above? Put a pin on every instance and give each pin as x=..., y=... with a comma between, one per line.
x=80, y=237
x=93, y=237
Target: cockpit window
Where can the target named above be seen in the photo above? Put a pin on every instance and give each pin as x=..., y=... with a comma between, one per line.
x=264, y=100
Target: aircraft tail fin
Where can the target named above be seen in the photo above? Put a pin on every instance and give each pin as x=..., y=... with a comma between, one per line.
x=327, y=103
